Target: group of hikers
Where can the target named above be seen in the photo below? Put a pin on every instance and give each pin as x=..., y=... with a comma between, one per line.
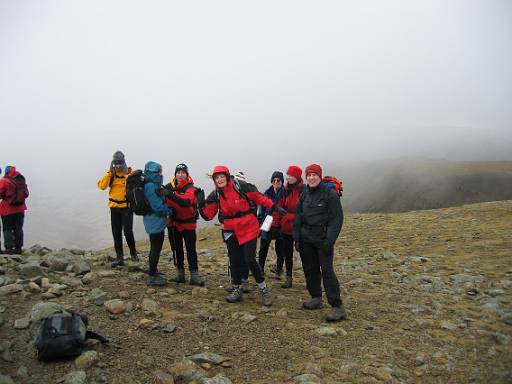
x=305, y=216
x=13, y=192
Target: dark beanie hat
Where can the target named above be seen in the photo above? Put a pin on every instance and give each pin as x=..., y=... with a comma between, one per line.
x=181, y=167
x=118, y=156
x=277, y=175
x=314, y=168
x=294, y=171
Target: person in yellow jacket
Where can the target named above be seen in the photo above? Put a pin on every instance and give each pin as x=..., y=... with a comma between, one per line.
x=121, y=217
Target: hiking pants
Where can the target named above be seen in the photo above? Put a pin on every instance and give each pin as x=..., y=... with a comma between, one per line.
x=288, y=253
x=317, y=264
x=122, y=219
x=239, y=253
x=156, y=241
x=262, y=255
x=13, y=230
x=176, y=239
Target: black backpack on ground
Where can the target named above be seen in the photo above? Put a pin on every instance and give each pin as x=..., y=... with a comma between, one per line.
x=135, y=198
x=20, y=191
x=63, y=336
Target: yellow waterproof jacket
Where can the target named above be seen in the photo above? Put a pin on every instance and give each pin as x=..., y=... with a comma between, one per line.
x=117, y=184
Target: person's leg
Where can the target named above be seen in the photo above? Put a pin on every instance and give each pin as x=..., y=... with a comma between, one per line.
x=156, y=241
x=331, y=284
x=128, y=232
x=179, y=254
x=235, y=260
x=311, y=267
x=8, y=223
x=18, y=232
x=116, y=222
x=263, y=252
x=249, y=253
x=279, y=246
x=288, y=258
x=190, y=238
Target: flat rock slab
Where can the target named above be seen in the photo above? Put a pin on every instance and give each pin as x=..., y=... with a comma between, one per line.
x=208, y=357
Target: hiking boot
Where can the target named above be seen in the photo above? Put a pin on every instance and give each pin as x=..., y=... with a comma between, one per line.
x=287, y=283
x=314, y=303
x=229, y=288
x=134, y=257
x=17, y=251
x=156, y=281
x=266, y=297
x=245, y=286
x=119, y=262
x=336, y=314
x=180, y=276
x=195, y=279
x=235, y=295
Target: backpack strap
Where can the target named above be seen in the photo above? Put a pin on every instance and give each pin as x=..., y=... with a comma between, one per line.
x=96, y=336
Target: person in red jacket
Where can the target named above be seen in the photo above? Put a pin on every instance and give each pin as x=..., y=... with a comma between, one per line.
x=182, y=226
x=288, y=202
x=233, y=200
x=13, y=192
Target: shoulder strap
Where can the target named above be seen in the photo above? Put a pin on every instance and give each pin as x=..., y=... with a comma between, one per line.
x=96, y=336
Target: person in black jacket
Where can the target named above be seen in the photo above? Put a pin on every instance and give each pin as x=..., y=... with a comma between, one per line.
x=318, y=222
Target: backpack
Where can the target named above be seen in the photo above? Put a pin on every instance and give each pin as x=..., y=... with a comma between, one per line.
x=334, y=183
x=63, y=336
x=135, y=197
x=19, y=191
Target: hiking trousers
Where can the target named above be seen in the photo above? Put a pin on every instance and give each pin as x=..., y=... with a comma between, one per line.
x=121, y=219
x=288, y=253
x=240, y=253
x=317, y=264
x=13, y=230
x=263, y=253
x=156, y=241
x=176, y=238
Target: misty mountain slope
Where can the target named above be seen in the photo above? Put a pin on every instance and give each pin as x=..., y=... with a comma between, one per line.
x=399, y=186
x=428, y=295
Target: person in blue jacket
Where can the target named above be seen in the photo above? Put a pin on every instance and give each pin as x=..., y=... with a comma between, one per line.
x=154, y=223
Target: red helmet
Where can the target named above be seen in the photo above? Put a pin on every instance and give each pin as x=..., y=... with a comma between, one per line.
x=221, y=169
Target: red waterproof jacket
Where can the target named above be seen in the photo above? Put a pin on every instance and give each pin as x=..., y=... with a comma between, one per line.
x=6, y=189
x=236, y=210
x=289, y=203
x=184, y=203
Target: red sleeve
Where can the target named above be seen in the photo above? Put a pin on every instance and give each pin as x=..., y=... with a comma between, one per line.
x=211, y=207
x=260, y=199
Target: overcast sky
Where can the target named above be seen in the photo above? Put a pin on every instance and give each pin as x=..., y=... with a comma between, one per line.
x=253, y=85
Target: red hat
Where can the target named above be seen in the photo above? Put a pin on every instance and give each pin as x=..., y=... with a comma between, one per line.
x=221, y=169
x=314, y=168
x=294, y=171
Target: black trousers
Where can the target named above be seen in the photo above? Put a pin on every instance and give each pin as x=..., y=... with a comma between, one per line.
x=288, y=253
x=263, y=252
x=240, y=253
x=317, y=264
x=156, y=241
x=176, y=239
x=13, y=230
x=121, y=219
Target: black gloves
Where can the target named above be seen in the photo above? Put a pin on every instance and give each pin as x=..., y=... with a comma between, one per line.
x=201, y=201
x=279, y=210
x=163, y=192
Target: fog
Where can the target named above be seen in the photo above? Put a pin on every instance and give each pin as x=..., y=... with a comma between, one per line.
x=256, y=86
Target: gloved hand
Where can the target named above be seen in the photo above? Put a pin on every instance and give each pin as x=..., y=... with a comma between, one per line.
x=201, y=201
x=297, y=246
x=170, y=215
x=279, y=210
x=163, y=192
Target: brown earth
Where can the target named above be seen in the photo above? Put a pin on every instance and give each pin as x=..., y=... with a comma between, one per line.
x=410, y=318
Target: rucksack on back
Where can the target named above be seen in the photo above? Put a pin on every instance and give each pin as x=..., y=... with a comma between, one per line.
x=63, y=336
x=237, y=185
x=135, y=198
x=19, y=191
x=334, y=183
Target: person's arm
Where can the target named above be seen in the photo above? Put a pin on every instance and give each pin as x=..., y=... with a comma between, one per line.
x=335, y=220
x=208, y=208
x=104, y=182
x=297, y=223
x=254, y=195
x=156, y=202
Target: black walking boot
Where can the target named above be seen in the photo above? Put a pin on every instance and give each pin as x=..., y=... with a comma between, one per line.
x=180, y=276
x=119, y=262
x=314, y=303
x=287, y=283
x=336, y=314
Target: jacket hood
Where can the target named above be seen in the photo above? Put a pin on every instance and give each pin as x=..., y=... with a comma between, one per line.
x=151, y=172
x=10, y=171
x=221, y=169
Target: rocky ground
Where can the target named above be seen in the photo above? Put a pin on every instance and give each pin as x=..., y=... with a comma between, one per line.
x=428, y=295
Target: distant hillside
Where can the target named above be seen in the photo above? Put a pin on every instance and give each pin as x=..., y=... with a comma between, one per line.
x=413, y=184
